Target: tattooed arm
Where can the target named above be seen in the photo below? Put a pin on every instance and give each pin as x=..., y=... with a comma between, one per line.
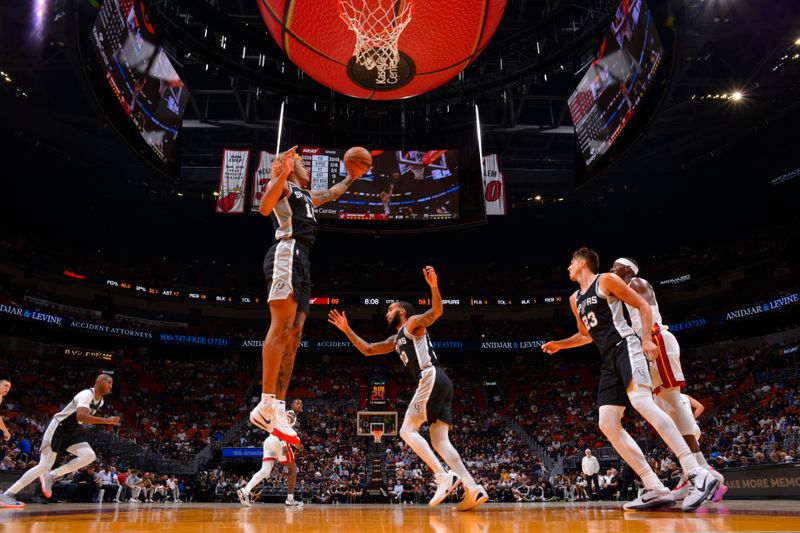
x=322, y=196
x=416, y=324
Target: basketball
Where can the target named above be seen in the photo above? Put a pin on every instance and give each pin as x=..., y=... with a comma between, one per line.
x=440, y=40
x=357, y=161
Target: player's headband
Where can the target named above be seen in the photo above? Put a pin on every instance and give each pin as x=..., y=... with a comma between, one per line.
x=628, y=263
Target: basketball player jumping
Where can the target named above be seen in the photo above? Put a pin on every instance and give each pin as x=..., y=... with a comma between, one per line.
x=624, y=377
x=5, y=387
x=276, y=450
x=287, y=269
x=432, y=400
x=64, y=433
x=666, y=372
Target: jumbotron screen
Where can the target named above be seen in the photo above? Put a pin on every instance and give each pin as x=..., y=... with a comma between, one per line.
x=401, y=185
x=140, y=74
x=617, y=80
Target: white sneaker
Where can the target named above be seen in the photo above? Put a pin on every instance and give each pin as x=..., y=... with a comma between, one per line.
x=46, y=481
x=293, y=503
x=262, y=416
x=473, y=498
x=281, y=427
x=719, y=477
x=244, y=498
x=680, y=492
x=9, y=502
x=702, y=486
x=651, y=499
x=446, y=483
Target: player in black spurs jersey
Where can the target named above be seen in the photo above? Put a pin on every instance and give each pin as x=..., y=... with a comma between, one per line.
x=64, y=434
x=432, y=400
x=624, y=376
x=288, y=272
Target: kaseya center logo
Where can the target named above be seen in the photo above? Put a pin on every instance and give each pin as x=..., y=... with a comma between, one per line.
x=383, y=76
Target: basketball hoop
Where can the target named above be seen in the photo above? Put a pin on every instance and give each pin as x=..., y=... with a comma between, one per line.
x=377, y=433
x=377, y=25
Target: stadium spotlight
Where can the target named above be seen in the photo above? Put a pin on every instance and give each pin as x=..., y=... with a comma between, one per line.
x=797, y=42
x=538, y=197
x=737, y=96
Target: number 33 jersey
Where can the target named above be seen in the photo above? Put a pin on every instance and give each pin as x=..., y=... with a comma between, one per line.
x=603, y=316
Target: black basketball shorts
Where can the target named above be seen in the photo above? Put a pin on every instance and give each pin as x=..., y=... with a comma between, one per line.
x=64, y=437
x=433, y=398
x=621, y=365
x=287, y=269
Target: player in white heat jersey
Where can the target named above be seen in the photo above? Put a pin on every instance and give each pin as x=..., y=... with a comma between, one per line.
x=277, y=451
x=666, y=372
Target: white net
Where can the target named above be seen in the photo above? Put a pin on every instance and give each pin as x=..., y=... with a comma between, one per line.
x=377, y=25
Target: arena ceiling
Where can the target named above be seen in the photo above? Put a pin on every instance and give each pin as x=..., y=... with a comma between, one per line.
x=723, y=46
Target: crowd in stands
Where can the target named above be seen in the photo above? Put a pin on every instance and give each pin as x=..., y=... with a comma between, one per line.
x=171, y=408
x=177, y=407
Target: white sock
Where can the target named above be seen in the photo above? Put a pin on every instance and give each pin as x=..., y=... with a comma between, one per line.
x=267, y=398
x=441, y=441
x=702, y=460
x=626, y=447
x=290, y=497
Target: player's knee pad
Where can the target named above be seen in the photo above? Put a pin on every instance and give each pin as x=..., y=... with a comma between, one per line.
x=406, y=430
x=610, y=418
x=642, y=398
x=411, y=424
x=84, y=452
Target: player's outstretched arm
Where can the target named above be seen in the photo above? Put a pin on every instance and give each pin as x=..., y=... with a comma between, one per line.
x=581, y=338
x=282, y=166
x=367, y=348
x=613, y=285
x=84, y=417
x=322, y=196
x=417, y=323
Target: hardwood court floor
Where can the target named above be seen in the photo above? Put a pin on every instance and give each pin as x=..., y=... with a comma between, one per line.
x=527, y=518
